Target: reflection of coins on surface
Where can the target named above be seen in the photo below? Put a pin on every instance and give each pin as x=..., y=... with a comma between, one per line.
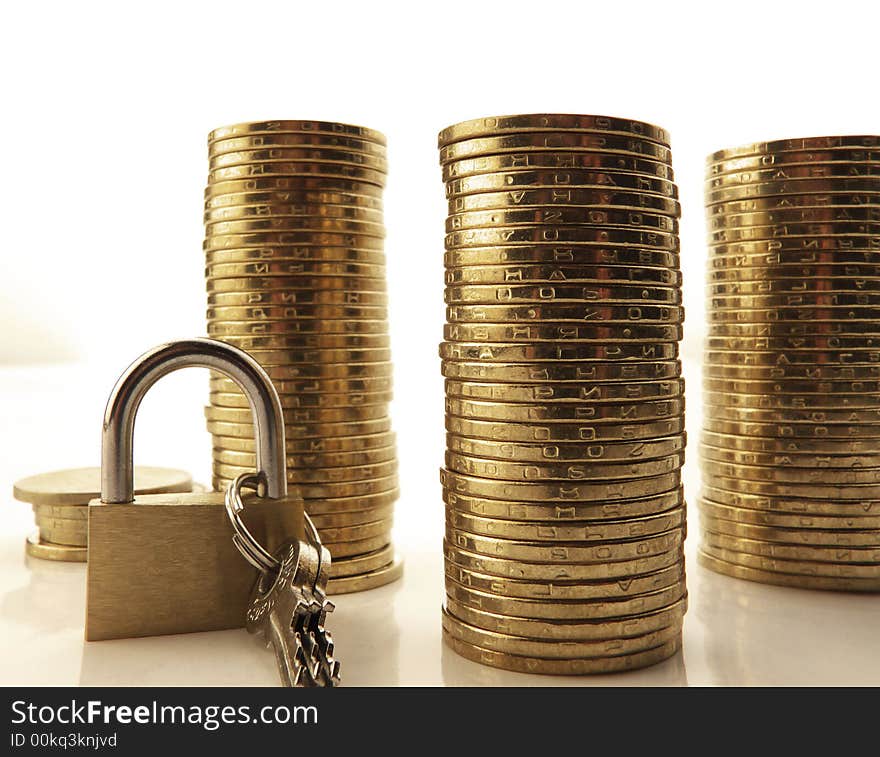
x=564, y=411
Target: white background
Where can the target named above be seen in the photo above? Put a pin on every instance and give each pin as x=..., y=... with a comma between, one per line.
x=108, y=106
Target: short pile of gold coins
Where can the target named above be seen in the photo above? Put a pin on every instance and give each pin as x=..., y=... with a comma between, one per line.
x=295, y=269
x=790, y=450
x=564, y=402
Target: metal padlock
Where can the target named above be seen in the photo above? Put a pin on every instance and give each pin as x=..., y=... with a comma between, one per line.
x=166, y=563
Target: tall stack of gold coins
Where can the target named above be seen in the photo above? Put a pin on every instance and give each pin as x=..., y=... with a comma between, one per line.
x=295, y=271
x=564, y=402
x=790, y=450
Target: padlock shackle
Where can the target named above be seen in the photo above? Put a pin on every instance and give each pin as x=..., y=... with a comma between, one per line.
x=117, y=455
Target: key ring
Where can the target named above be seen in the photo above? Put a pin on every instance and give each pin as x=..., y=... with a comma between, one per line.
x=250, y=548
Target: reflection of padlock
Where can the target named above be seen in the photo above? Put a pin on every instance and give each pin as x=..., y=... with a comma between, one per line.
x=166, y=563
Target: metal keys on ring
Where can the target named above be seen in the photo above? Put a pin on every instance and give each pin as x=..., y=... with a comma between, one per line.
x=289, y=603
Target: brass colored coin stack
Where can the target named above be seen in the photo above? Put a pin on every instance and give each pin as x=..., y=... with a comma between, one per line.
x=790, y=450
x=60, y=501
x=295, y=273
x=564, y=404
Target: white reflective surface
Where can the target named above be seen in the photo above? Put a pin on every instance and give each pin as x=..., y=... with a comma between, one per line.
x=736, y=632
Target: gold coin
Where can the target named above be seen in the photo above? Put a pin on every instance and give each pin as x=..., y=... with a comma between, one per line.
x=347, y=520
x=308, y=283
x=796, y=460
x=560, y=235
x=78, y=486
x=303, y=415
x=566, y=393
x=561, y=216
x=864, y=231
x=307, y=255
x=807, y=201
x=788, y=185
x=217, y=231
x=792, y=536
x=329, y=371
x=811, y=171
x=553, y=274
x=499, y=352
x=854, y=493
x=293, y=238
x=313, y=386
x=549, y=254
x=295, y=154
x=341, y=460
x=480, y=127
x=583, y=651
x=863, y=561
x=555, y=159
x=72, y=533
x=320, y=342
x=294, y=197
x=43, y=550
x=318, y=446
x=571, y=471
x=507, y=431
x=595, y=197
x=357, y=503
x=550, y=140
x=797, y=216
x=296, y=312
x=317, y=328
x=563, y=513
x=865, y=576
x=782, y=430
x=295, y=299
x=565, y=178
x=552, y=533
x=826, y=285
x=540, y=373
x=366, y=581
x=560, y=332
x=263, y=128
x=564, y=553
x=305, y=430
x=565, y=609
x=819, y=417
x=223, y=399
x=608, y=628
x=293, y=269
x=271, y=140
x=808, y=505
x=792, y=157
x=656, y=555
x=580, y=452
x=796, y=314
x=633, y=314
x=337, y=534
x=613, y=412
x=784, y=445
x=751, y=573
x=274, y=184
x=550, y=492
x=797, y=375
x=289, y=169
x=322, y=475
x=783, y=520
x=340, y=489
x=800, y=401
x=67, y=512
x=794, y=358
x=488, y=294
x=808, y=301
x=359, y=547
x=360, y=564
x=787, y=330
x=550, y=590
x=864, y=142
x=866, y=479
x=291, y=215
x=318, y=358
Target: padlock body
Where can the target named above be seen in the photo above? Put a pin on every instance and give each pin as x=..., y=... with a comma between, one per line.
x=166, y=563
